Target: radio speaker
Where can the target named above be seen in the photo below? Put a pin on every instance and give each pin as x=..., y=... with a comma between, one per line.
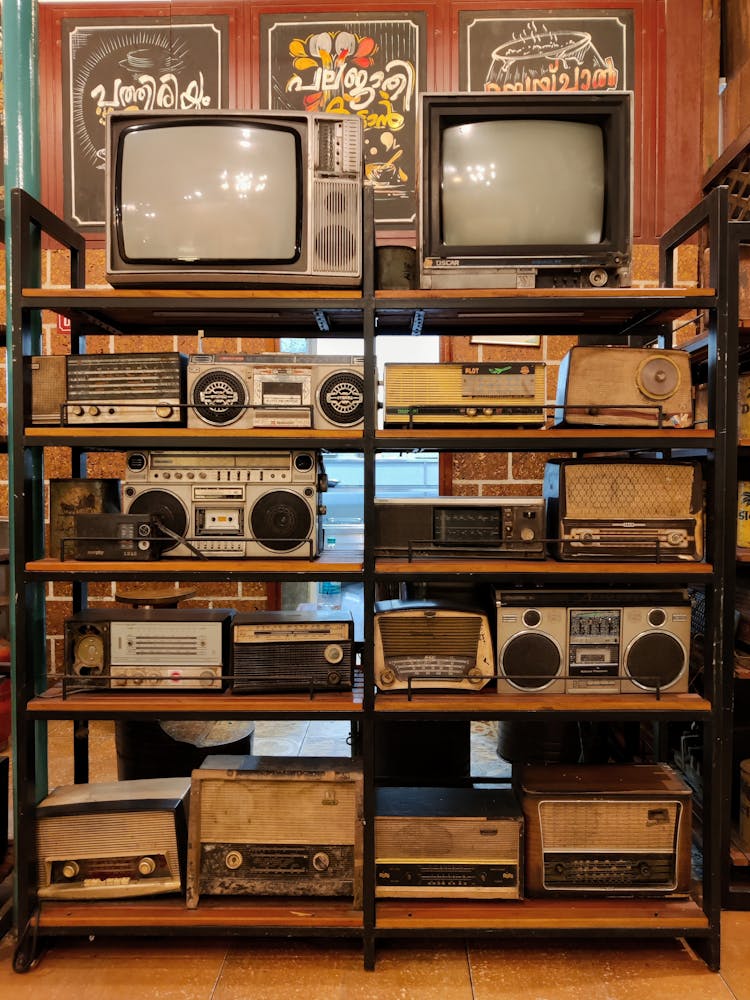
x=47, y=388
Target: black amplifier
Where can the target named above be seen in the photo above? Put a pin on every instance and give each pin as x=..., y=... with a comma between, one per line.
x=292, y=651
x=121, y=537
x=133, y=389
x=512, y=527
x=448, y=843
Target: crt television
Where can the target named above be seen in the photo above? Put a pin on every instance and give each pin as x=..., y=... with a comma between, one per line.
x=234, y=198
x=524, y=190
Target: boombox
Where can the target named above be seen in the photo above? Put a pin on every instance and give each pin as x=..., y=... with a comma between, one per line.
x=221, y=504
x=496, y=526
x=576, y=641
x=606, y=830
x=112, y=841
x=448, y=843
x=270, y=826
x=275, y=390
x=125, y=388
x=431, y=645
x=450, y=393
x=625, y=509
x=125, y=537
x=624, y=387
x=176, y=649
x=292, y=651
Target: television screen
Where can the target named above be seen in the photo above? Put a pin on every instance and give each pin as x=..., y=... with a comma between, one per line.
x=524, y=190
x=210, y=192
x=239, y=199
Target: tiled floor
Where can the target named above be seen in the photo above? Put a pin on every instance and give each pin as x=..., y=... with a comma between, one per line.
x=110, y=968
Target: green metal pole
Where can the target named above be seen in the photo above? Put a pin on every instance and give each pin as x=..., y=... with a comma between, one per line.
x=25, y=470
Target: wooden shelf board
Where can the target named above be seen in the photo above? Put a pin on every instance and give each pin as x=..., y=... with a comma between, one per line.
x=221, y=705
x=327, y=562
x=541, y=567
x=128, y=436
x=216, y=296
x=594, y=436
x=215, y=913
x=488, y=702
x=542, y=914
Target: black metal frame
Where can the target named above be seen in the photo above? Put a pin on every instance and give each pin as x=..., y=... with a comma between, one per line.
x=371, y=314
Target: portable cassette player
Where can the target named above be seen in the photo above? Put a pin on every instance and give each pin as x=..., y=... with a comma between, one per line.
x=128, y=649
x=275, y=390
x=222, y=504
x=577, y=642
x=292, y=651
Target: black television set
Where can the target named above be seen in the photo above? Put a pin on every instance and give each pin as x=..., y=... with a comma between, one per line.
x=524, y=190
x=240, y=199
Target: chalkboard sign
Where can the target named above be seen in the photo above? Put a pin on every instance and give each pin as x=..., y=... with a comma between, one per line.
x=131, y=64
x=372, y=65
x=546, y=50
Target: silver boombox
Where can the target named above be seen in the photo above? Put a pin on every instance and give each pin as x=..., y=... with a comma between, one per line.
x=221, y=504
x=275, y=390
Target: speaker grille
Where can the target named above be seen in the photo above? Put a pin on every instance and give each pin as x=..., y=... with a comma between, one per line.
x=655, y=658
x=281, y=521
x=406, y=635
x=628, y=490
x=531, y=660
x=219, y=397
x=167, y=507
x=342, y=398
x=609, y=825
x=336, y=227
x=453, y=838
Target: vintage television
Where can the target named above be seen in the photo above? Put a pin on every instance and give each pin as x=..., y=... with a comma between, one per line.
x=525, y=190
x=234, y=199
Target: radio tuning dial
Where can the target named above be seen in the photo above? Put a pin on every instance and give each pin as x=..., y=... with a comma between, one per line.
x=233, y=860
x=333, y=653
x=146, y=866
x=321, y=862
x=527, y=534
x=70, y=869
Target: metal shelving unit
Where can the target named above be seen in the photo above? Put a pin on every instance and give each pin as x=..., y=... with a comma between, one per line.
x=618, y=313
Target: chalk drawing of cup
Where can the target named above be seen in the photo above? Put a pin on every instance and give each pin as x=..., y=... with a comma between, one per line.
x=530, y=55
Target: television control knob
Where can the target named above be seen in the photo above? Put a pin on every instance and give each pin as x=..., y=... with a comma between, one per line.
x=146, y=866
x=321, y=862
x=387, y=677
x=70, y=869
x=527, y=534
x=233, y=860
x=333, y=653
x=164, y=412
x=598, y=277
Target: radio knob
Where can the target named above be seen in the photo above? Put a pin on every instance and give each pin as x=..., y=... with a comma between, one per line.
x=644, y=868
x=333, y=653
x=527, y=534
x=321, y=862
x=164, y=411
x=70, y=869
x=207, y=678
x=387, y=677
x=471, y=411
x=488, y=411
x=77, y=411
x=233, y=860
x=94, y=411
x=146, y=866
x=675, y=538
x=333, y=678
x=475, y=675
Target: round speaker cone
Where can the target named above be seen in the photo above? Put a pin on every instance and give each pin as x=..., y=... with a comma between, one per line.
x=88, y=652
x=658, y=377
x=342, y=398
x=281, y=521
x=168, y=509
x=219, y=397
x=531, y=661
x=655, y=659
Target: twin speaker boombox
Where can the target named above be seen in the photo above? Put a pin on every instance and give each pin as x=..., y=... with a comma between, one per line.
x=275, y=390
x=129, y=649
x=222, y=504
x=625, y=509
x=624, y=387
x=108, y=389
x=292, y=651
x=576, y=641
x=431, y=645
x=454, y=393
x=113, y=841
x=610, y=830
x=495, y=526
x=269, y=826
x=448, y=843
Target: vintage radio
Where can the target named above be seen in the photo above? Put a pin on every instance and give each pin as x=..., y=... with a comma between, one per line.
x=128, y=649
x=47, y=382
x=113, y=841
x=456, y=393
x=624, y=387
x=124, y=537
x=614, y=829
x=625, y=509
x=221, y=504
x=275, y=390
x=269, y=826
x=448, y=843
x=433, y=645
x=125, y=388
x=576, y=641
x=441, y=526
x=292, y=651
x=69, y=498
